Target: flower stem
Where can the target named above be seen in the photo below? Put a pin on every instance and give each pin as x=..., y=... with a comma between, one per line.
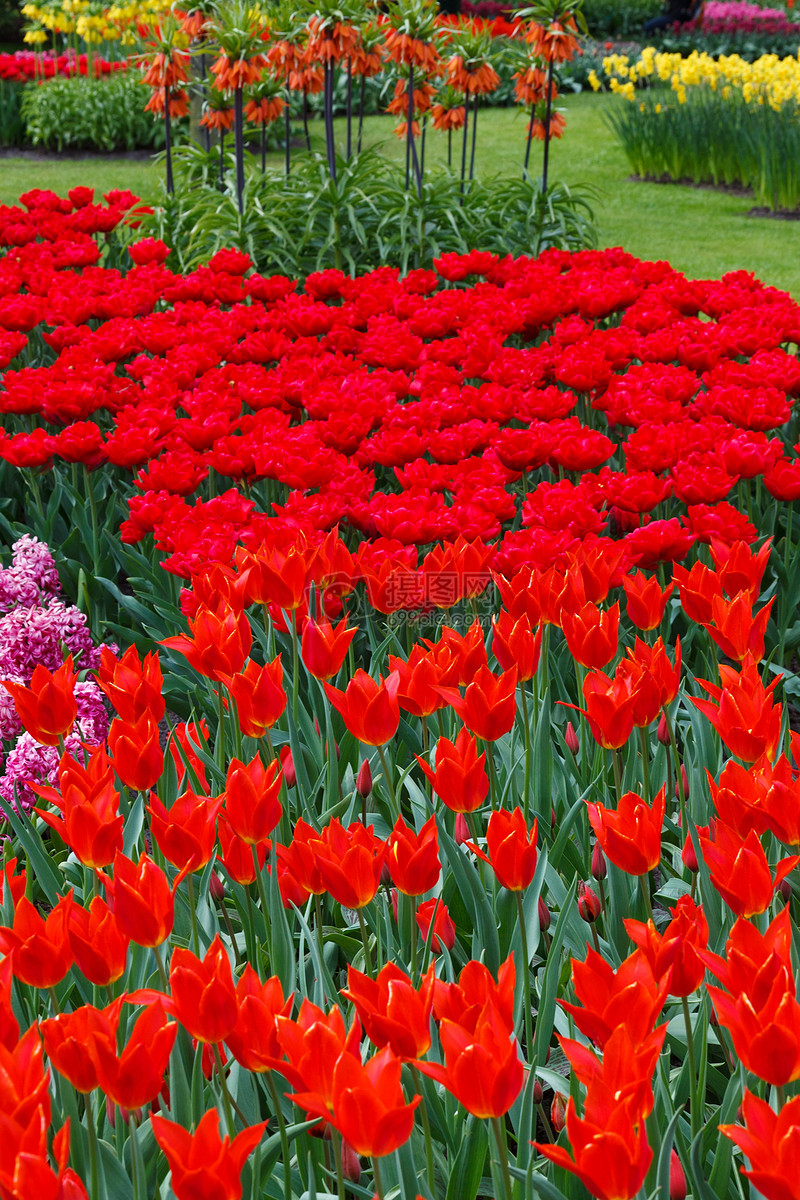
x=526, y=978
x=226, y=1097
x=644, y=884
x=387, y=775
x=426, y=1129
x=694, y=1112
x=379, y=1192
x=503, y=1156
x=276, y=1104
x=365, y=942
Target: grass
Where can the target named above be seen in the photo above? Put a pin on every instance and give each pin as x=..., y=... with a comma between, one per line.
x=703, y=233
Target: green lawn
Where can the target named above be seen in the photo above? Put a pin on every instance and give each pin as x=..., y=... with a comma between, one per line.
x=701, y=232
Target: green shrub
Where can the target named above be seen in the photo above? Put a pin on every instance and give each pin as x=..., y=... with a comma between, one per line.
x=363, y=220
x=105, y=114
x=710, y=139
x=619, y=19
x=12, y=129
x=10, y=22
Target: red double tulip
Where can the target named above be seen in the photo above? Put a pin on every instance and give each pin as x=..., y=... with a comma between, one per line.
x=512, y=848
x=630, y=835
x=203, y=1165
x=368, y=707
x=47, y=706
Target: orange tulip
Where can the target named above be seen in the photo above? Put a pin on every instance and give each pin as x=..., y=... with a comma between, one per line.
x=459, y=780
x=742, y=711
x=368, y=707
x=630, y=835
x=203, y=1165
x=512, y=848
x=258, y=695
x=90, y=823
x=219, y=643
x=324, y=647
x=47, y=706
x=252, y=799
x=136, y=751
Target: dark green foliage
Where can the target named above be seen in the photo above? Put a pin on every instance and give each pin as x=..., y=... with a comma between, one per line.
x=365, y=219
x=105, y=114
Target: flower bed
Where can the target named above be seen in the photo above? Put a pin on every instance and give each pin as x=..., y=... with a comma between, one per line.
x=483, y=775
x=720, y=120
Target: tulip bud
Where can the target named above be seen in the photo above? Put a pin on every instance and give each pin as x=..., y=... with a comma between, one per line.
x=684, y=783
x=688, y=855
x=351, y=1163
x=386, y=875
x=544, y=916
x=538, y=1094
x=558, y=1112
x=588, y=903
x=552, y=817
x=571, y=738
x=364, y=780
x=216, y=886
x=461, y=829
x=111, y=1112
x=287, y=762
x=662, y=732
x=785, y=889
x=599, y=868
x=677, y=1178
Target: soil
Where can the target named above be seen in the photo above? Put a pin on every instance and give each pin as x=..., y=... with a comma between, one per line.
x=37, y=155
x=777, y=214
x=732, y=189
